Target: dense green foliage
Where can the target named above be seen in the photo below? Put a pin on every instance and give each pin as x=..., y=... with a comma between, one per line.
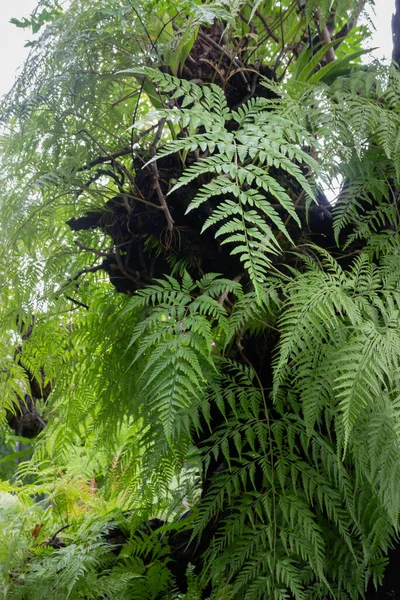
x=229, y=427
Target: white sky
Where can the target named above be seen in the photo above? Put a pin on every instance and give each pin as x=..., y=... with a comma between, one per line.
x=12, y=39
x=382, y=18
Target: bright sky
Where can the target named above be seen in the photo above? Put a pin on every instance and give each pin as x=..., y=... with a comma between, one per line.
x=12, y=39
x=382, y=18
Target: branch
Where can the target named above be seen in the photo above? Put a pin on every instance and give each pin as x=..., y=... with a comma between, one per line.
x=296, y=205
x=325, y=36
x=97, y=176
x=123, y=270
x=267, y=27
x=78, y=275
x=112, y=157
x=103, y=159
x=225, y=53
x=93, y=250
x=253, y=87
x=352, y=22
x=82, y=304
x=154, y=168
x=59, y=531
x=121, y=167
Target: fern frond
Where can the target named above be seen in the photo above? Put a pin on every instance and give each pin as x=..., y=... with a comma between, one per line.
x=240, y=164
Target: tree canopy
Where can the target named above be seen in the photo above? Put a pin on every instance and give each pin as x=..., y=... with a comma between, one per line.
x=199, y=352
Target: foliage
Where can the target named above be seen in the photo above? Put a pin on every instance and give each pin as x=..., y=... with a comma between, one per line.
x=229, y=427
x=241, y=161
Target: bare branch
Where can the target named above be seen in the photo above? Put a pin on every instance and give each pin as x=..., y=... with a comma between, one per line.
x=267, y=27
x=93, y=250
x=79, y=304
x=127, y=150
x=154, y=168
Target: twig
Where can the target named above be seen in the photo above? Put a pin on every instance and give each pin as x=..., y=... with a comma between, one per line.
x=279, y=23
x=234, y=60
x=123, y=270
x=130, y=95
x=38, y=419
x=111, y=157
x=84, y=271
x=53, y=537
x=103, y=159
x=224, y=296
x=253, y=87
x=210, y=41
x=267, y=27
x=82, y=304
x=161, y=197
x=121, y=167
x=157, y=139
x=93, y=250
x=296, y=205
x=354, y=253
x=97, y=176
x=253, y=28
x=78, y=275
x=156, y=183
x=146, y=31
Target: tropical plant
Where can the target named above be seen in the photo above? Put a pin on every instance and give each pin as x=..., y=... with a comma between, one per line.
x=199, y=352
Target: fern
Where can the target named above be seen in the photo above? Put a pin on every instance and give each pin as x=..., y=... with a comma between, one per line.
x=255, y=413
x=242, y=187
x=177, y=339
